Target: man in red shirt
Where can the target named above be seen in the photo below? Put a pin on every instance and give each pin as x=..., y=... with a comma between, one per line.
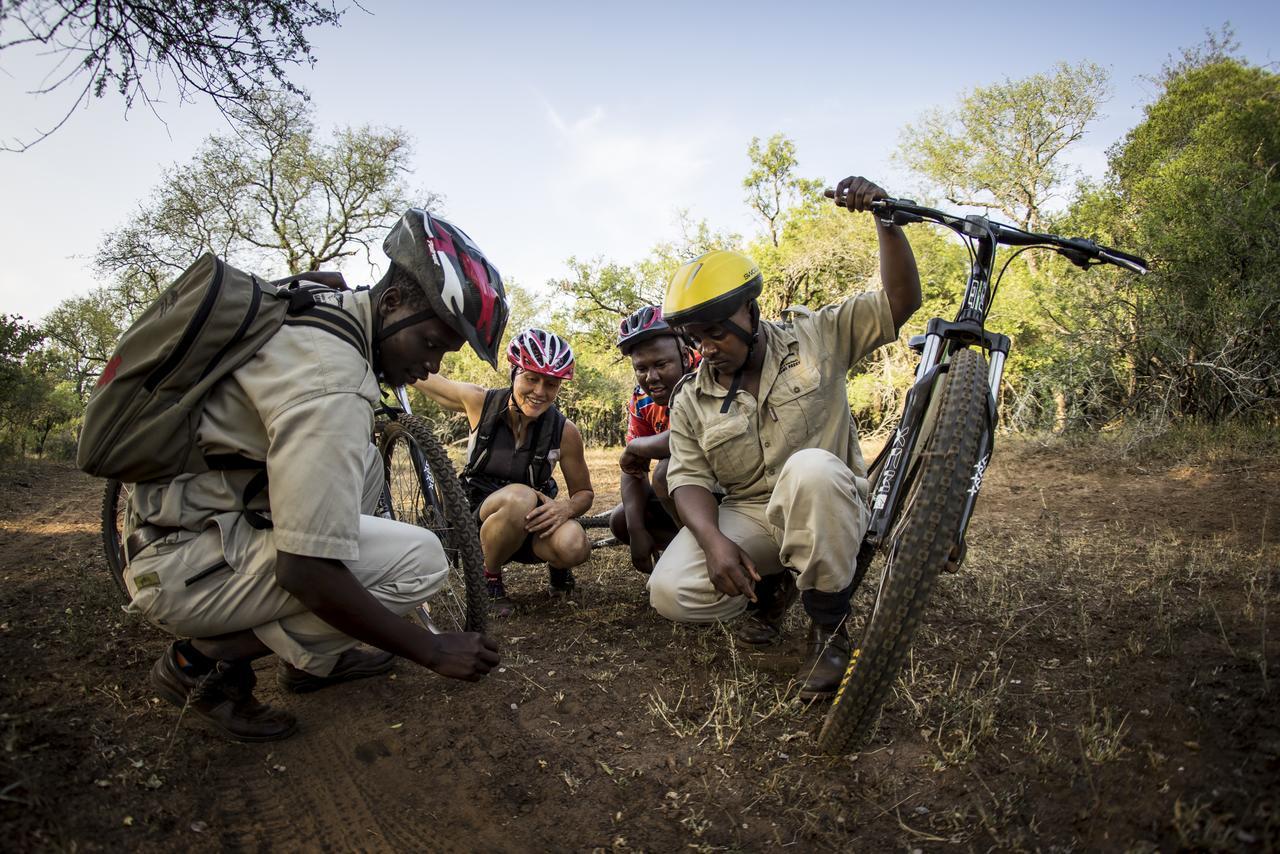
x=646, y=519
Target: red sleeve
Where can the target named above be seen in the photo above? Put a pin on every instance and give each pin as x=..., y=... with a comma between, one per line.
x=636, y=426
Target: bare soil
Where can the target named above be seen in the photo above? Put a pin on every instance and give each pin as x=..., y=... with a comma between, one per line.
x=1100, y=675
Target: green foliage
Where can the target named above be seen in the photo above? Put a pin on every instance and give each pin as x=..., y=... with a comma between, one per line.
x=272, y=197
x=1193, y=188
x=33, y=404
x=1002, y=144
x=772, y=184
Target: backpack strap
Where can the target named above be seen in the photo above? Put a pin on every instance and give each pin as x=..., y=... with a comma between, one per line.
x=255, y=486
x=495, y=406
x=305, y=310
x=550, y=429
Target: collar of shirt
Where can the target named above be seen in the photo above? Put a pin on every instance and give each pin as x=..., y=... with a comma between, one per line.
x=780, y=344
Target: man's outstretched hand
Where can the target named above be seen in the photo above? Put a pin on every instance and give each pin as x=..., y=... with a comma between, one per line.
x=463, y=655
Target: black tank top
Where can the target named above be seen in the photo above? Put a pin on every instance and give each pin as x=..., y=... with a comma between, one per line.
x=502, y=463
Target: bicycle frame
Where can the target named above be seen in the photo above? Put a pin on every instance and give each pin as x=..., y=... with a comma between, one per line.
x=940, y=341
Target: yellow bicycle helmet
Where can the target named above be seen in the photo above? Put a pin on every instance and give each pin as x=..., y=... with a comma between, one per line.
x=711, y=287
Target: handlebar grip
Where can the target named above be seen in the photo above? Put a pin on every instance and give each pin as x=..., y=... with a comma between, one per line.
x=1131, y=261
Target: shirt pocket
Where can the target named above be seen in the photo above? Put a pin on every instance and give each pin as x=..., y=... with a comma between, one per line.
x=732, y=449
x=800, y=406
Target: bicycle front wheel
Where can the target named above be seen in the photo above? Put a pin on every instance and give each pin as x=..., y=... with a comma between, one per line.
x=423, y=490
x=927, y=528
x=115, y=503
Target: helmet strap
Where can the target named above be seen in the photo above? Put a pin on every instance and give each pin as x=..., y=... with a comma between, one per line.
x=751, y=339
x=385, y=332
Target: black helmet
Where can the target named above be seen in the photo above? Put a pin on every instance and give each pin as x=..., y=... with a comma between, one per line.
x=462, y=287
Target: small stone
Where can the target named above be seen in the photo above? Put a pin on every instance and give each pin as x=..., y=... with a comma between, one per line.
x=199, y=826
x=128, y=821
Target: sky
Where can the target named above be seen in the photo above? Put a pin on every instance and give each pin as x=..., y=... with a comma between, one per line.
x=556, y=129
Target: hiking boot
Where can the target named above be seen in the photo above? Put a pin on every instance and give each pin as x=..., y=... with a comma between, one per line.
x=499, y=605
x=775, y=593
x=562, y=582
x=222, y=698
x=825, y=663
x=355, y=663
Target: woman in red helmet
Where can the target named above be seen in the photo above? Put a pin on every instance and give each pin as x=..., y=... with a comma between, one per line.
x=517, y=437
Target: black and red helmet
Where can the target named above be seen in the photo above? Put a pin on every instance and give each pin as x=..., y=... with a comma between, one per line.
x=642, y=325
x=462, y=287
x=541, y=352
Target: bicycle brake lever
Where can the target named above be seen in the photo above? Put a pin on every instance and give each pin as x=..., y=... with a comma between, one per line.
x=1077, y=257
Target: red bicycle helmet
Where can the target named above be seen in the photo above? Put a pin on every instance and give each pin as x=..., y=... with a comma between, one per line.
x=462, y=287
x=642, y=325
x=541, y=352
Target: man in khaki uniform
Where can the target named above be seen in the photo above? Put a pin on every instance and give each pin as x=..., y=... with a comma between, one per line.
x=304, y=570
x=767, y=417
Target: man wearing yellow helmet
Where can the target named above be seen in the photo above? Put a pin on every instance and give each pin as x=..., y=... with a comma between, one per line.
x=767, y=417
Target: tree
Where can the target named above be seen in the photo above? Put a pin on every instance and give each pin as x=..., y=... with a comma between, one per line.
x=226, y=50
x=1002, y=145
x=772, y=184
x=32, y=404
x=273, y=197
x=605, y=291
x=82, y=333
x=1193, y=187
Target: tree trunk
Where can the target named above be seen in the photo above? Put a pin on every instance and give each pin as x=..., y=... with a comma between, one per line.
x=1059, y=410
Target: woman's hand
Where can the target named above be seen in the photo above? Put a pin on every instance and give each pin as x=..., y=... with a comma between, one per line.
x=549, y=515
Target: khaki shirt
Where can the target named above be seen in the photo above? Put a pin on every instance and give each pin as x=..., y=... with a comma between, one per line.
x=304, y=403
x=803, y=403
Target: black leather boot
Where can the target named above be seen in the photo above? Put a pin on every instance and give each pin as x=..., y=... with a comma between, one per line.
x=825, y=662
x=763, y=624
x=223, y=698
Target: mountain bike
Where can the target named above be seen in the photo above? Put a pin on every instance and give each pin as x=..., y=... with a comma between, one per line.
x=928, y=476
x=419, y=487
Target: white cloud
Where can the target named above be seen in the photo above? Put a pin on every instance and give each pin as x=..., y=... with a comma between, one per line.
x=618, y=186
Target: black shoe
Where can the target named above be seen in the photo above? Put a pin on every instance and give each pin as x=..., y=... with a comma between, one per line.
x=776, y=593
x=223, y=698
x=353, y=664
x=500, y=605
x=562, y=582
x=825, y=662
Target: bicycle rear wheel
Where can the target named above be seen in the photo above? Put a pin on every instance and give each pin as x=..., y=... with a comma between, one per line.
x=928, y=526
x=422, y=489
x=115, y=503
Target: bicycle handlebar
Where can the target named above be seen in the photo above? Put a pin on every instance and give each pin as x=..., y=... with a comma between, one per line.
x=1078, y=250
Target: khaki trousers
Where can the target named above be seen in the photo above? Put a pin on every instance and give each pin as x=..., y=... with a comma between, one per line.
x=813, y=523
x=400, y=564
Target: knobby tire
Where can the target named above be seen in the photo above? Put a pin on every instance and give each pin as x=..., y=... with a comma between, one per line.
x=918, y=550
x=115, y=500
x=462, y=604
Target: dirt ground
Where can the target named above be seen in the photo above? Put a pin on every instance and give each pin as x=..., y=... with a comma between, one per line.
x=1098, y=676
